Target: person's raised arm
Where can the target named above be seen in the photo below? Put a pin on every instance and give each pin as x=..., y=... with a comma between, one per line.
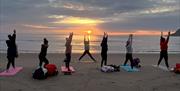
x=106, y=35
x=168, y=36
x=84, y=39
x=131, y=39
x=88, y=39
x=14, y=35
x=70, y=36
x=161, y=35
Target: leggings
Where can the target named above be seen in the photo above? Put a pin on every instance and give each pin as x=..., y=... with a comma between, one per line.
x=164, y=54
x=104, y=59
x=43, y=59
x=129, y=57
x=10, y=61
x=87, y=52
x=68, y=60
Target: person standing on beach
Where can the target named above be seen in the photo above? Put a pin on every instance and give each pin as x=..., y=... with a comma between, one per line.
x=68, y=51
x=164, y=49
x=104, y=49
x=86, y=48
x=129, y=50
x=43, y=53
x=12, y=51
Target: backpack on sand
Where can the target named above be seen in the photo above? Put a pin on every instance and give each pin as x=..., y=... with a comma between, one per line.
x=136, y=62
x=116, y=68
x=107, y=69
x=40, y=74
x=51, y=69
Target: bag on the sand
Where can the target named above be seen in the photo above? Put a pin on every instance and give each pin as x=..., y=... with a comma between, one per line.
x=107, y=69
x=51, y=69
x=40, y=73
x=177, y=68
x=177, y=65
x=136, y=62
x=116, y=68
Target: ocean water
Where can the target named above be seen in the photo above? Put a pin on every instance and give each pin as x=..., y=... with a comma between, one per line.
x=31, y=43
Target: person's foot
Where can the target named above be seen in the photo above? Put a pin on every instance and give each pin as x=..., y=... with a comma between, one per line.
x=94, y=60
x=168, y=68
x=69, y=69
x=7, y=70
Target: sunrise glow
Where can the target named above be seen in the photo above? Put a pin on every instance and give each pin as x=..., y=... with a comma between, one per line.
x=78, y=20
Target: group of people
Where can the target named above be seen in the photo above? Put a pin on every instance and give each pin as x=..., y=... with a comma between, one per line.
x=12, y=52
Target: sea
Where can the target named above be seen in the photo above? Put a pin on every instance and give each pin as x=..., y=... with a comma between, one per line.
x=31, y=43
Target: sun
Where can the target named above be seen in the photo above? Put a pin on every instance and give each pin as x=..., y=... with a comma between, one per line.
x=89, y=32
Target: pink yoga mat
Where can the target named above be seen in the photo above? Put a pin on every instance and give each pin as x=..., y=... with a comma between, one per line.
x=11, y=71
x=64, y=69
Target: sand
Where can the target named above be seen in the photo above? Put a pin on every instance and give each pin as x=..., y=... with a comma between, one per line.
x=88, y=77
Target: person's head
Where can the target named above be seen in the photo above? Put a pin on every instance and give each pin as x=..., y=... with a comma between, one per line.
x=9, y=36
x=45, y=41
x=131, y=35
x=162, y=39
x=67, y=39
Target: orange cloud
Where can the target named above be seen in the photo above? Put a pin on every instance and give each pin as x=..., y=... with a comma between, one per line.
x=79, y=21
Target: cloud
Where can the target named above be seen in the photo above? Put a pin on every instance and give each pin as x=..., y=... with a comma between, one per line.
x=38, y=26
x=78, y=21
x=113, y=15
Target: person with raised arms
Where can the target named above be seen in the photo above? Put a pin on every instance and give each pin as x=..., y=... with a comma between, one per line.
x=86, y=49
x=164, y=49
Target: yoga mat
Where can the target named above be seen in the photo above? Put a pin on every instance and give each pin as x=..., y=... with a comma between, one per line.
x=11, y=71
x=64, y=69
x=129, y=69
x=161, y=67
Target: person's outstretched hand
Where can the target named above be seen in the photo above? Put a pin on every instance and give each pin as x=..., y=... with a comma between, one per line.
x=169, y=33
x=161, y=33
x=14, y=31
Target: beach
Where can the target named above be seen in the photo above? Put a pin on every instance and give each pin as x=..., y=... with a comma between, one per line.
x=88, y=77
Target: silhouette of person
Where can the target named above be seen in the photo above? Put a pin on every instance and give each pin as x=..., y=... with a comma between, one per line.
x=104, y=49
x=12, y=50
x=129, y=51
x=68, y=51
x=164, y=49
x=43, y=53
x=86, y=49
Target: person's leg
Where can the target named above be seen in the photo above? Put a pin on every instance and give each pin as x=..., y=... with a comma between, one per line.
x=161, y=57
x=68, y=56
x=131, y=60
x=102, y=61
x=40, y=61
x=105, y=59
x=126, y=60
x=46, y=61
x=8, y=64
x=83, y=55
x=13, y=62
x=91, y=56
x=166, y=59
x=67, y=65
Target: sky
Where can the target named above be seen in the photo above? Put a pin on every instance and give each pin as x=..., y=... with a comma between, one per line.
x=112, y=16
